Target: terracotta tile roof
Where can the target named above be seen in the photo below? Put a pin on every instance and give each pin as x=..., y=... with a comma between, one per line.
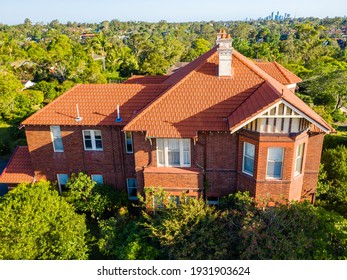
x=199, y=100
x=192, y=99
x=97, y=104
x=280, y=73
x=268, y=94
x=19, y=168
x=146, y=80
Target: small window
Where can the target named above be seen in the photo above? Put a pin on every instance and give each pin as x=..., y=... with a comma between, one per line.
x=132, y=188
x=62, y=181
x=274, y=163
x=248, y=158
x=174, y=199
x=173, y=152
x=212, y=200
x=92, y=140
x=97, y=178
x=129, y=142
x=299, y=156
x=57, y=139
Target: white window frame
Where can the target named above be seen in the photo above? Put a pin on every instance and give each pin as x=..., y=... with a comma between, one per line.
x=299, y=158
x=56, y=136
x=244, y=156
x=130, y=188
x=267, y=164
x=96, y=178
x=60, y=183
x=129, y=140
x=181, y=151
x=93, y=140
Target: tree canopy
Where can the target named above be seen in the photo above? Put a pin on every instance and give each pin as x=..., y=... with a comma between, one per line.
x=36, y=223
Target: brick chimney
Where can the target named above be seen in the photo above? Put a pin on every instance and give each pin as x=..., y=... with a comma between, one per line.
x=225, y=50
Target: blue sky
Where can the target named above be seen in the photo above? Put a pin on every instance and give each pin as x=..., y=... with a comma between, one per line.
x=15, y=11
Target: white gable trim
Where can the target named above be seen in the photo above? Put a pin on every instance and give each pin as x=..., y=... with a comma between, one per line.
x=260, y=115
x=305, y=116
x=255, y=117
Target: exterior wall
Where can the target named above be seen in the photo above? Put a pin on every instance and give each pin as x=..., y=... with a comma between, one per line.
x=311, y=167
x=216, y=151
x=112, y=162
x=286, y=188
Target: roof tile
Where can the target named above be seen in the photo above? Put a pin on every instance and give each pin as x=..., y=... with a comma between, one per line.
x=19, y=168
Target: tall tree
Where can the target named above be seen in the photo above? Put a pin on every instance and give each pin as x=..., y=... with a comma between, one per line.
x=37, y=223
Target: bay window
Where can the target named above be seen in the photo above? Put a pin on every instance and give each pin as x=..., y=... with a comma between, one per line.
x=274, y=163
x=248, y=158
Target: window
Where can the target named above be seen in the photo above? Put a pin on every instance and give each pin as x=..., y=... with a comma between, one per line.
x=97, y=178
x=212, y=200
x=299, y=156
x=129, y=142
x=274, y=163
x=132, y=188
x=62, y=181
x=56, y=138
x=173, y=152
x=248, y=158
x=174, y=200
x=92, y=140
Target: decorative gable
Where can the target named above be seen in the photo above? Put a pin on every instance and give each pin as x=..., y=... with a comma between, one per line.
x=281, y=117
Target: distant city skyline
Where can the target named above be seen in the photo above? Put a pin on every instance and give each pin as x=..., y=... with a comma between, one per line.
x=15, y=11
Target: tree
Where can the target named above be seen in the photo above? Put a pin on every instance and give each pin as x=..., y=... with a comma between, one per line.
x=10, y=86
x=36, y=223
x=332, y=187
x=193, y=230
x=297, y=231
x=124, y=237
x=91, y=198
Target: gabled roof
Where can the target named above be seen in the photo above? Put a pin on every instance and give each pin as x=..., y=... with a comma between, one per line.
x=199, y=100
x=192, y=99
x=97, y=104
x=19, y=169
x=146, y=80
x=280, y=73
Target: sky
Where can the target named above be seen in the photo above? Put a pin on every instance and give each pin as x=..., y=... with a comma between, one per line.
x=95, y=11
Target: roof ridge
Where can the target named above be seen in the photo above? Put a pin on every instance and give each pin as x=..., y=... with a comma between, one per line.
x=51, y=103
x=249, y=96
x=280, y=68
x=172, y=86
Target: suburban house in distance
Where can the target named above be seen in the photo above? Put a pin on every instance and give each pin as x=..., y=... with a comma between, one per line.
x=220, y=124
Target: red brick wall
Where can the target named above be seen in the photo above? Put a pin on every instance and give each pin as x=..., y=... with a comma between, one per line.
x=113, y=162
x=313, y=156
x=289, y=187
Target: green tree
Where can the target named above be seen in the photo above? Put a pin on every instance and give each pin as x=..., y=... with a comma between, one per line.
x=124, y=237
x=332, y=187
x=36, y=223
x=193, y=230
x=91, y=198
x=297, y=231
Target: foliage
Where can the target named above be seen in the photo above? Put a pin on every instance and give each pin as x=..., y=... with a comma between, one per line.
x=36, y=223
x=123, y=237
x=193, y=230
x=91, y=198
x=297, y=231
x=332, y=187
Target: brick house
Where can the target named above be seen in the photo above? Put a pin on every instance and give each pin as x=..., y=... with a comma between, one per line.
x=220, y=124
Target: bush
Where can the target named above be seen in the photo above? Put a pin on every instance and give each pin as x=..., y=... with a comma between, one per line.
x=36, y=223
x=93, y=199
